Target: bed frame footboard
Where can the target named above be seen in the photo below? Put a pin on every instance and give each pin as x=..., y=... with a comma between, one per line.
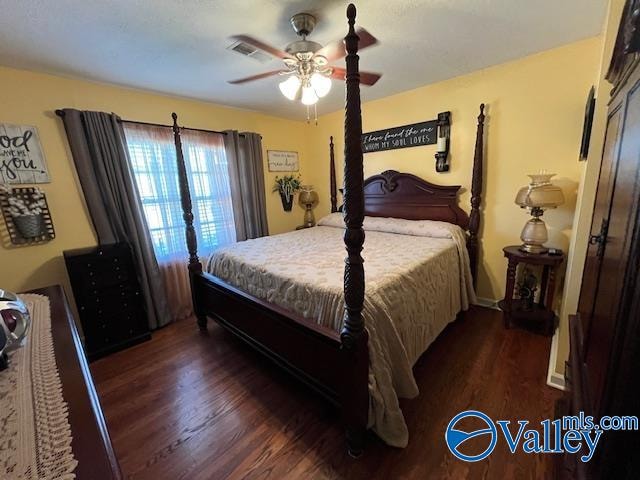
x=310, y=352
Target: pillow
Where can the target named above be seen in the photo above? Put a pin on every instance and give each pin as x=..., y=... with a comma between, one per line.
x=332, y=220
x=419, y=228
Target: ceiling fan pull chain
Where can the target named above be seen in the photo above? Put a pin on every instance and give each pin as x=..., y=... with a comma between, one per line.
x=315, y=112
x=308, y=115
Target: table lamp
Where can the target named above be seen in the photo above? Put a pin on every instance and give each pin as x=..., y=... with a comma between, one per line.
x=538, y=196
x=308, y=199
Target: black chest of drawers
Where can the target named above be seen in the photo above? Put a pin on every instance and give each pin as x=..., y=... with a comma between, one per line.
x=108, y=297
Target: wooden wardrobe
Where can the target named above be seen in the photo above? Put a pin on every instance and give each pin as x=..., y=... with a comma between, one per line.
x=603, y=371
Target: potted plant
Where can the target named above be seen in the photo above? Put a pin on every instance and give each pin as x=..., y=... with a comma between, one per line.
x=287, y=186
x=26, y=211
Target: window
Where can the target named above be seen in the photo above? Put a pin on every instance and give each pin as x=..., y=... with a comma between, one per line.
x=153, y=160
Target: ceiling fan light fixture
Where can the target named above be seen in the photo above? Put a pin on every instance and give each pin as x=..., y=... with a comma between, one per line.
x=309, y=96
x=290, y=87
x=321, y=84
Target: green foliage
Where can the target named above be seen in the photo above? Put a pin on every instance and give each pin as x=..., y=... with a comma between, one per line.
x=287, y=185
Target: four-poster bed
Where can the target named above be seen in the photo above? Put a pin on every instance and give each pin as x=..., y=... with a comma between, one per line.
x=335, y=364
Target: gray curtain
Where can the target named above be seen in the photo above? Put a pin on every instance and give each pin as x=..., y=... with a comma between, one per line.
x=246, y=174
x=101, y=157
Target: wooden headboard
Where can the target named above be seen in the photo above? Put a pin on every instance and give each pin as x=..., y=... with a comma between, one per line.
x=402, y=195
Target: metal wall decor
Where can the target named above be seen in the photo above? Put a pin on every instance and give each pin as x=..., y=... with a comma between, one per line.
x=444, y=131
x=27, y=229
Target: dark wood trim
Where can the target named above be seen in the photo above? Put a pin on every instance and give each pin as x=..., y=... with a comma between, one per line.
x=476, y=196
x=332, y=177
x=194, y=266
x=354, y=337
x=185, y=197
x=91, y=443
x=626, y=47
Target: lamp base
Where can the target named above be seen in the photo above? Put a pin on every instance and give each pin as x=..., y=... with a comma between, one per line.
x=532, y=248
x=309, y=218
x=533, y=236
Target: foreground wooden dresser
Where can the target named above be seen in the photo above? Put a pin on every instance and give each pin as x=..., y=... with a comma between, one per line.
x=91, y=443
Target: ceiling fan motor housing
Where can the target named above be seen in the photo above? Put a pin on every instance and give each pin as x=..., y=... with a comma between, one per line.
x=303, y=23
x=302, y=46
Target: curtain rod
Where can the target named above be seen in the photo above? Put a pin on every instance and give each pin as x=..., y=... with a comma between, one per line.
x=170, y=126
x=60, y=113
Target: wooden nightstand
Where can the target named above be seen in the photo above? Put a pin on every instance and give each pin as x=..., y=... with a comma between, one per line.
x=539, y=316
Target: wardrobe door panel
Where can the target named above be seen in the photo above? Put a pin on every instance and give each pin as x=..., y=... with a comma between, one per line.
x=615, y=251
x=602, y=205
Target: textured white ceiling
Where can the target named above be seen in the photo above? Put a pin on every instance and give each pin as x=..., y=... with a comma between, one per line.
x=179, y=46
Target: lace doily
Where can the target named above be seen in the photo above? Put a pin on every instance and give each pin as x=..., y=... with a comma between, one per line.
x=35, y=435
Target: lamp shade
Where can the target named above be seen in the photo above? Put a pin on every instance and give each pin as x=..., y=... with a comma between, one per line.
x=290, y=86
x=308, y=196
x=309, y=96
x=540, y=193
x=320, y=84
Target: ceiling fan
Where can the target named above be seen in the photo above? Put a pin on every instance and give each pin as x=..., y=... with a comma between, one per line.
x=307, y=63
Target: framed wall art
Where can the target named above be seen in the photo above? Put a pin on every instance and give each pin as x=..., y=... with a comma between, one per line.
x=283, y=161
x=21, y=156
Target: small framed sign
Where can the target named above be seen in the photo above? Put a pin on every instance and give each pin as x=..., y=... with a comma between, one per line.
x=21, y=156
x=283, y=161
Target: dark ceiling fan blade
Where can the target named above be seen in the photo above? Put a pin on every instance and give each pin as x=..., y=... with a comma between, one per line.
x=366, y=78
x=276, y=52
x=336, y=50
x=256, y=77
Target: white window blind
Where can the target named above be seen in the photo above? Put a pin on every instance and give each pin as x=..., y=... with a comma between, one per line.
x=153, y=159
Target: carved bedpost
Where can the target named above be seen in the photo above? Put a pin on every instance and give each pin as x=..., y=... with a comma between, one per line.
x=476, y=196
x=332, y=179
x=187, y=214
x=353, y=335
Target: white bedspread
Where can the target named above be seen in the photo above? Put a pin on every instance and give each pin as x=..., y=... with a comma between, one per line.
x=417, y=280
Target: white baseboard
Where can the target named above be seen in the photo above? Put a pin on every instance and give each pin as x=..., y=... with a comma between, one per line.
x=554, y=379
x=487, y=302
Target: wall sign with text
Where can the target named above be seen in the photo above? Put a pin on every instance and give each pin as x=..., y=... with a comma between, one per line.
x=21, y=156
x=415, y=135
x=282, y=161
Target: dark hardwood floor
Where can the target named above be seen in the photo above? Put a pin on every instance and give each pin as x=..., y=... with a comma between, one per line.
x=204, y=406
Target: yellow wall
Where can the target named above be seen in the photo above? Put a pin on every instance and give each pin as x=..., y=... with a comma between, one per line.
x=588, y=185
x=31, y=98
x=534, y=121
